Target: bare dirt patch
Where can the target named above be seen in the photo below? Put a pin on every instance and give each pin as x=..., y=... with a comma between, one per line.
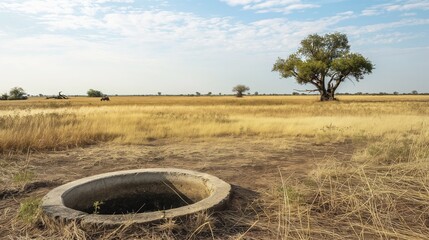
x=251, y=165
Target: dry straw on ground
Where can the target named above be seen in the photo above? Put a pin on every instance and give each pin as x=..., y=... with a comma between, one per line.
x=382, y=192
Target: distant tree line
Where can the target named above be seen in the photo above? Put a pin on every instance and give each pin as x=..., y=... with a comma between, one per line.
x=18, y=93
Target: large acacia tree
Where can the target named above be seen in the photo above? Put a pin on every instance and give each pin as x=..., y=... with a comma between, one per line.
x=324, y=62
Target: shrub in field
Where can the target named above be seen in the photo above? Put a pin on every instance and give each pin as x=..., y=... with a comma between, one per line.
x=94, y=93
x=4, y=96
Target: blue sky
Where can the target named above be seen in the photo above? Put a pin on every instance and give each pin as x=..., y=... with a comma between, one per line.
x=185, y=46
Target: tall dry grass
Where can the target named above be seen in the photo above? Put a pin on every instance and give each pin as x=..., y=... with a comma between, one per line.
x=40, y=128
x=381, y=193
x=47, y=131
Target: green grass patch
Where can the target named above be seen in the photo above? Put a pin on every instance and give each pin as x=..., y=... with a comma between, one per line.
x=23, y=177
x=29, y=209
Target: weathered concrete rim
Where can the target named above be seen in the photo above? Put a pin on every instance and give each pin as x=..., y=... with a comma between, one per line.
x=53, y=205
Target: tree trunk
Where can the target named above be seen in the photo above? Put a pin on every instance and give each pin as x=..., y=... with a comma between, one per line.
x=327, y=96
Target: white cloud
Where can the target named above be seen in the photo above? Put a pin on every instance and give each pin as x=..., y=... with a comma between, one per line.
x=409, y=5
x=171, y=28
x=265, y=6
x=374, y=28
x=408, y=14
x=240, y=2
x=183, y=31
x=69, y=21
x=385, y=38
x=39, y=6
x=370, y=12
x=401, y=5
x=58, y=7
x=189, y=31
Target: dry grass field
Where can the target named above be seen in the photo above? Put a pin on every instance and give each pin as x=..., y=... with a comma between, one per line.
x=357, y=168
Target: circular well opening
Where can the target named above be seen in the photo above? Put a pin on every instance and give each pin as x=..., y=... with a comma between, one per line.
x=136, y=196
x=136, y=193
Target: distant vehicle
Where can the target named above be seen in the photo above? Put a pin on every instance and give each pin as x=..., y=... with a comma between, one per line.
x=60, y=96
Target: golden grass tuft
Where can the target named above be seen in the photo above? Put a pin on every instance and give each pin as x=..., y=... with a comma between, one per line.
x=382, y=193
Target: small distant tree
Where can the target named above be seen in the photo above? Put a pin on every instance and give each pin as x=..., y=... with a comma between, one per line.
x=159, y=93
x=395, y=93
x=295, y=93
x=17, y=93
x=198, y=93
x=240, y=89
x=256, y=93
x=414, y=92
x=94, y=93
x=209, y=93
x=4, y=96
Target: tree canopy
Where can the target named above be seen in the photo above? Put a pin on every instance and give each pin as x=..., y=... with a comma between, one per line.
x=240, y=89
x=94, y=93
x=17, y=93
x=324, y=62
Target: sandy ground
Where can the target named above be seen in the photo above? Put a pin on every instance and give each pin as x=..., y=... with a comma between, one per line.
x=251, y=165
